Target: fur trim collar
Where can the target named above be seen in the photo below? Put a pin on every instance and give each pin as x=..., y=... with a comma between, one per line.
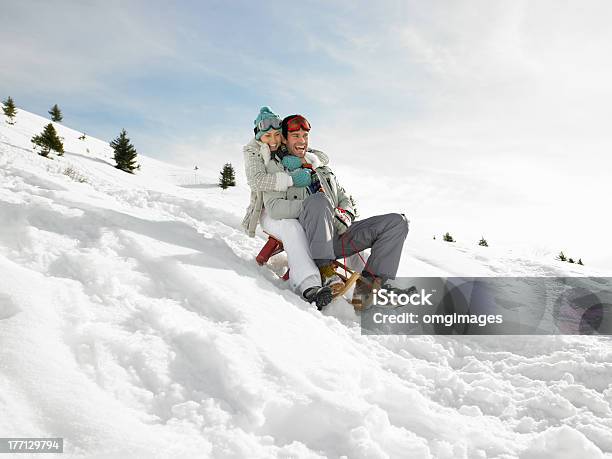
x=312, y=159
x=264, y=151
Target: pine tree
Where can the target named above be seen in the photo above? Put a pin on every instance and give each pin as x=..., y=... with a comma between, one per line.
x=561, y=256
x=56, y=114
x=580, y=261
x=570, y=260
x=448, y=238
x=227, y=177
x=483, y=242
x=47, y=141
x=125, y=153
x=9, y=110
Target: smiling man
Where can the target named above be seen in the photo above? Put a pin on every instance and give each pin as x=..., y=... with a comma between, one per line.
x=326, y=212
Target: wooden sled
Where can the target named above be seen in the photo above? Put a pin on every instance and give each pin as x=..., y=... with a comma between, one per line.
x=272, y=247
x=349, y=276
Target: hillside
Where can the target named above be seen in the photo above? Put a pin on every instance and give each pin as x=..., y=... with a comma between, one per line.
x=135, y=321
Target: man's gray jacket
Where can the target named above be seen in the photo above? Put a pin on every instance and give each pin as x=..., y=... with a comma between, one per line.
x=288, y=203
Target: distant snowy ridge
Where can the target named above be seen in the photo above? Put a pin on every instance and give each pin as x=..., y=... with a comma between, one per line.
x=134, y=321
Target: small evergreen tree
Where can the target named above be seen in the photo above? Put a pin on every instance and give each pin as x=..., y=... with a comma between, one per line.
x=483, y=242
x=56, y=114
x=580, y=261
x=227, y=177
x=125, y=153
x=570, y=260
x=448, y=238
x=47, y=141
x=561, y=256
x=9, y=109
x=231, y=175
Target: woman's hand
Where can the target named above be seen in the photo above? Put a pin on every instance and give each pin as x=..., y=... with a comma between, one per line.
x=291, y=162
x=301, y=177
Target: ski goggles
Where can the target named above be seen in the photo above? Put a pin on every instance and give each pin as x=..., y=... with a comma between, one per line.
x=268, y=123
x=296, y=123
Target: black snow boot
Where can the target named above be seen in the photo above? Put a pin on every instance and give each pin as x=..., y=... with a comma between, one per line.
x=321, y=296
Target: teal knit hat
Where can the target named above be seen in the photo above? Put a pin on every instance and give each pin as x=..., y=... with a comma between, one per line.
x=265, y=113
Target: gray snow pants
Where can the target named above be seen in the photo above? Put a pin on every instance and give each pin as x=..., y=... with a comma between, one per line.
x=384, y=234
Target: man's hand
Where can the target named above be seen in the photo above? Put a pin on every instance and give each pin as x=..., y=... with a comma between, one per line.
x=301, y=177
x=343, y=219
x=291, y=162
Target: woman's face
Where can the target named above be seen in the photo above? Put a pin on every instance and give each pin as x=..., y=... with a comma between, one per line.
x=272, y=138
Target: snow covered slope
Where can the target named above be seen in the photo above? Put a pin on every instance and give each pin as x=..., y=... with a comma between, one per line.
x=134, y=321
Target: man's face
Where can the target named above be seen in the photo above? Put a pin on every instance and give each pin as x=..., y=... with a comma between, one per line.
x=297, y=142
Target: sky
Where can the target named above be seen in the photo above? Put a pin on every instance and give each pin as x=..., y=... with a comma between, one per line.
x=516, y=92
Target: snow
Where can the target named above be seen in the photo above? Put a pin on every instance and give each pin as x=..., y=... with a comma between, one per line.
x=135, y=321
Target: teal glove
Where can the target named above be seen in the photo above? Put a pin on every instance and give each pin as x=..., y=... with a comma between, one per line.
x=301, y=177
x=291, y=162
